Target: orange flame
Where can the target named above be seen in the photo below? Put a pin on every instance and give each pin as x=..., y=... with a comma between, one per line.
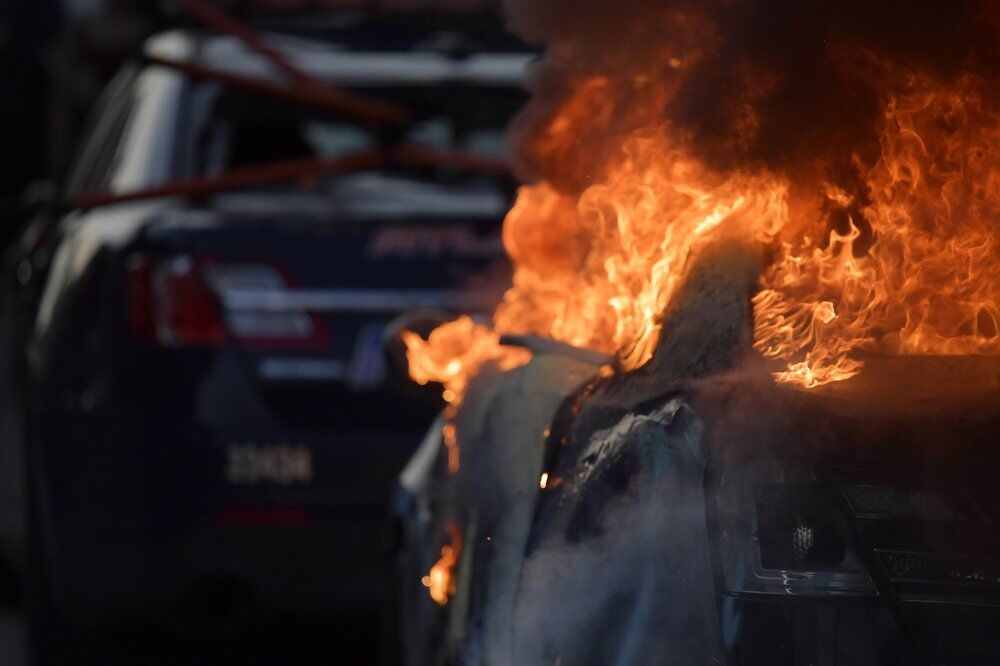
x=440, y=582
x=599, y=271
x=453, y=353
x=898, y=257
x=456, y=351
x=928, y=283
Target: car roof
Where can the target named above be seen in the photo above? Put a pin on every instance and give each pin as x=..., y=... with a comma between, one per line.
x=427, y=63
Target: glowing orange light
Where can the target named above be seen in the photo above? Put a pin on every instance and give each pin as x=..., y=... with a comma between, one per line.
x=928, y=283
x=440, y=582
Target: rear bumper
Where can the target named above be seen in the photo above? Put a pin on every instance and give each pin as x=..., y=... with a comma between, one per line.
x=805, y=631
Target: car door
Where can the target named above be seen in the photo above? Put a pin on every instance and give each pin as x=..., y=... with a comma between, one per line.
x=24, y=271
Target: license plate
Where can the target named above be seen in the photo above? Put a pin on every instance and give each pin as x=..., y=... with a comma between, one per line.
x=281, y=464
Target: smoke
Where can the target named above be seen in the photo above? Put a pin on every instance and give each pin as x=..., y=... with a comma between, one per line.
x=786, y=85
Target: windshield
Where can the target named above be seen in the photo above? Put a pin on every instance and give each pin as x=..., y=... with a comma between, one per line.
x=245, y=130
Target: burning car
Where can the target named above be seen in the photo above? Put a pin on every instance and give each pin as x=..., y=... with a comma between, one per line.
x=737, y=405
x=713, y=518
x=197, y=414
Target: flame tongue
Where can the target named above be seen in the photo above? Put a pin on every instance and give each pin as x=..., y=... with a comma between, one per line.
x=599, y=271
x=927, y=283
x=456, y=351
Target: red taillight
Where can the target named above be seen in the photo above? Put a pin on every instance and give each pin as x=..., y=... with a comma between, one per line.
x=187, y=312
x=172, y=305
x=183, y=301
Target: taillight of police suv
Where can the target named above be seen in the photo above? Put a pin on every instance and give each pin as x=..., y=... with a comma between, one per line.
x=186, y=301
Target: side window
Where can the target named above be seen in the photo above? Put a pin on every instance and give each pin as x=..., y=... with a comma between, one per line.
x=101, y=145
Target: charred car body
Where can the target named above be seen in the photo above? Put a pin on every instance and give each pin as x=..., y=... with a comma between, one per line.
x=194, y=385
x=690, y=512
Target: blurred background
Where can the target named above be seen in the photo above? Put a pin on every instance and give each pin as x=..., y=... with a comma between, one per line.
x=216, y=216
